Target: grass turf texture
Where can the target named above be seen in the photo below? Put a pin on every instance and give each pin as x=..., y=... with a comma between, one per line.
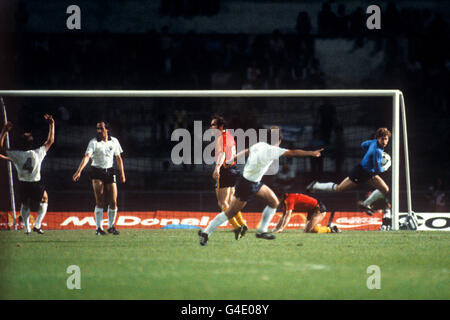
x=170, y=264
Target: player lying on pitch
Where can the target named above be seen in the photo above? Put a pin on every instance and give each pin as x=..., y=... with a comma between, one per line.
x=302, y=203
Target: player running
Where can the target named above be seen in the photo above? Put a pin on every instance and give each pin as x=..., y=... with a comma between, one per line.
x=260, y=157
x=302, y=203
x=225, y=173
x=366, y=171
x=103, y=149
x=27, y=161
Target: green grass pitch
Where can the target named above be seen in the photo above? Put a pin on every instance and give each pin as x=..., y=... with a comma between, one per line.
x=170, y=264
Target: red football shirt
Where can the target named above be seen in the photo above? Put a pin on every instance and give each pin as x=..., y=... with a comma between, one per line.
x=300, y=202
x=228, y=145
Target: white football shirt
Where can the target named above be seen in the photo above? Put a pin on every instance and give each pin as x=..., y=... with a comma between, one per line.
x=28, y=163
x=260, y=157
x=103, y=152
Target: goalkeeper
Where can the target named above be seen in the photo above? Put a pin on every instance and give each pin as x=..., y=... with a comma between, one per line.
x=366, y=171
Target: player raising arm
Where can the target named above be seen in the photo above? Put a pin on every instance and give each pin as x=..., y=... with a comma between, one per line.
x=27, y=161
x=103, y=149
x=366, y=171
x=260, y=157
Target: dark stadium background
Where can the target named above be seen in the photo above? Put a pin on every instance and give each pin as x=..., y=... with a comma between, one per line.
x=172, y=45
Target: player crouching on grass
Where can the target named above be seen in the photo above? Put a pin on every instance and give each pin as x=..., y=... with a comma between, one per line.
x=27, y=161
x=302, y=203
x=260, y=157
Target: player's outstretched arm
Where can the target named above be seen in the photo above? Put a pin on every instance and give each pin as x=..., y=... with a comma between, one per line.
x=4, y=157
x=51, y=132
x=302, y=153
x=6, y=128
x=83, y=163
x=121, y=169
x=240, y=154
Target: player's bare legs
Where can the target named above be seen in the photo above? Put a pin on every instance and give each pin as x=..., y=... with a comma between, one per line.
x=269, y=211
x=379, y=184
x=345, y=185
x=380, y=192
x=238, y=219
x=223, y=197
x=236, y=205
x=268, y=196
x=314, y=221
x=42, y=210
x=110, y=190
x=98, y=187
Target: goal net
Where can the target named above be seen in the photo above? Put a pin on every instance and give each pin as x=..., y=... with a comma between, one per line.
x=168, y=183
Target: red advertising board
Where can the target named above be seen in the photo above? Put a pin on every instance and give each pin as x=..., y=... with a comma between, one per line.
x=161, y=219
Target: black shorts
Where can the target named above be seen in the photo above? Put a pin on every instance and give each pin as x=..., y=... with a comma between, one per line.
x=107, y=176
x=228, y=177
x=245, y=189
x=359, y=175
x=31, y=193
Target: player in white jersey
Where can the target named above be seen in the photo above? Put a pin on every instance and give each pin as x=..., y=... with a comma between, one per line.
x=260, y=157
x=27, y=161
x=102, y=150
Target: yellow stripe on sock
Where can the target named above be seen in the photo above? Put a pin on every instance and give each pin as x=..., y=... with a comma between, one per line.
x=240, y=219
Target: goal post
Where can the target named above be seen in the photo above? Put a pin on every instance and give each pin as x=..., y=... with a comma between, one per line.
x=398, y=112
x=10, y=171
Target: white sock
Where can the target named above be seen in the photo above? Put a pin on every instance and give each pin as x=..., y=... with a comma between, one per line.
x=25, y=213
x=98, y=217
x=41, y=214
x=216, y=222
x=111, y=217
x=266, y=217
x=325, y=186
x=374, y=196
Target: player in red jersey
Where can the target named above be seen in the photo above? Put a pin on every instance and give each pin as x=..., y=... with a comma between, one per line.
x=225, y=173
x=302, y=203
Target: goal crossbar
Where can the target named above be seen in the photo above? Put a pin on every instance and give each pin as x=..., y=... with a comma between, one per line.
x=200, y=93
x=397, y=104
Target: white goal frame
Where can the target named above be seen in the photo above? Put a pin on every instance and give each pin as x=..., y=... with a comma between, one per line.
x=398, y=108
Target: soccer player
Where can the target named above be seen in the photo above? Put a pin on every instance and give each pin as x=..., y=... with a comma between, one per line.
x=103, y=149
x=225, y=173
x=260, y=157
x=27, y=161
x=302, y=203
x=366, y=171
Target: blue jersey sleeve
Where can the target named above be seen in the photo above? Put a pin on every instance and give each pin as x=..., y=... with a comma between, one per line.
x=366, y=144
x=372, y=159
